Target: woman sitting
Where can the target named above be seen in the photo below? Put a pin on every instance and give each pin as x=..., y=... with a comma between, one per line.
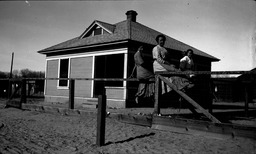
x=161, y=63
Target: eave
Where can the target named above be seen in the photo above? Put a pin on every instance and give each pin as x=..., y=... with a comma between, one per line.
x=82, y=47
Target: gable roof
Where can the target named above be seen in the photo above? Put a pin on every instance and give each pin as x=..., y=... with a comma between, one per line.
x=120, y=33
x=123, y=31
x=106, y=26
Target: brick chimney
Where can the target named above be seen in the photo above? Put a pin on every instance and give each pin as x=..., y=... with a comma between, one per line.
x=131, y=15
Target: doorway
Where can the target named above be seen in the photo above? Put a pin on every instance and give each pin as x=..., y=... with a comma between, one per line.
x=108, y=66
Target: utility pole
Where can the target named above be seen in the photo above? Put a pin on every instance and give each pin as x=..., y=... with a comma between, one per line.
x=10, y=77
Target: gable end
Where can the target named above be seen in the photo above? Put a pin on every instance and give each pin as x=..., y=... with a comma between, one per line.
x=97, y=28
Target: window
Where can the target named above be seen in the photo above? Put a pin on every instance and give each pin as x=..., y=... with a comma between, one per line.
x=63, y=72
x=98, y=31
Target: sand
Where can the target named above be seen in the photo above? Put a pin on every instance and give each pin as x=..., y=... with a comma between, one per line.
x=39, y=132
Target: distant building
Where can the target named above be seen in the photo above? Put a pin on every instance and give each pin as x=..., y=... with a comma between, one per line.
x=106, y=50
x=232, y=88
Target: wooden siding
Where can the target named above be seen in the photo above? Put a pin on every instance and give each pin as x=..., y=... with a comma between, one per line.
x=81, y=68
x=115, y=93
x=51, y=85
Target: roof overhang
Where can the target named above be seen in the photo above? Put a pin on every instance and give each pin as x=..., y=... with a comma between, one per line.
x=82, y=47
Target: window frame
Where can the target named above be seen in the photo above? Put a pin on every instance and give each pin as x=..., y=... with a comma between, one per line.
x=59, y=74
x=98, y=29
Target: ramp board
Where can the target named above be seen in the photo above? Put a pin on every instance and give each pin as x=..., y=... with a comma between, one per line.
x=190, y=126
x=190, y=100
x=198, y=127
x=13, y=103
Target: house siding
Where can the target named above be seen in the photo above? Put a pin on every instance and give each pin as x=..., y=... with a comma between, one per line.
x=82, y=68
x=115, y=92
x=51, y=85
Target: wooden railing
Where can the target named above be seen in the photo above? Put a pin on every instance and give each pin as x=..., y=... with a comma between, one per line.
x=160, y=77
x=100, y=139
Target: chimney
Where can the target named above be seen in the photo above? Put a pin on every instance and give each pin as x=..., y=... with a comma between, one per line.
x=131, y=15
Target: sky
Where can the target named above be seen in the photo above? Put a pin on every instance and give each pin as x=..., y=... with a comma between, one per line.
x=225, y=29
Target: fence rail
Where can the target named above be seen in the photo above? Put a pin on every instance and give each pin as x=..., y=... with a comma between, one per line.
x=208, y=72
x=135, y=79
x=102, y=98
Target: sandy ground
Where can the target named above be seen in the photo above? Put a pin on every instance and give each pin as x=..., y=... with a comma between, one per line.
x=40, y=132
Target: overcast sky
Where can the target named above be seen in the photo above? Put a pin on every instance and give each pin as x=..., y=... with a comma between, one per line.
x=225, y=29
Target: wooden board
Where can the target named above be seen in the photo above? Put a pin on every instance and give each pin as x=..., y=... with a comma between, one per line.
x=189, y=126
x=136, y=119
x=205, y=128
x=191, y=101
x=14, y=103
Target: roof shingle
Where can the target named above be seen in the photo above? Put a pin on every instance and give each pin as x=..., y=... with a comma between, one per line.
x=125, y=30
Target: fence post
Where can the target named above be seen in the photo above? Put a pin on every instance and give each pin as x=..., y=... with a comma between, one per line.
x=10, y=89
x=71, y=94
x=101, y=119
x=157, y=87
x=210, y=96
x=246, y=99
x=23, y=92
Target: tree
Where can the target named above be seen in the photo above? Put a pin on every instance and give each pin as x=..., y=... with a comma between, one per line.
x=26, y=73
x=15, y=74
x=3, y=74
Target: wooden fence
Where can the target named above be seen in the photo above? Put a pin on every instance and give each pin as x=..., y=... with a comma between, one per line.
x=102, y=98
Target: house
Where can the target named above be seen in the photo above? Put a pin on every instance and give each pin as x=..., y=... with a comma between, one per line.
x=249, y=81
x=227, y=89
x=231, y=88
x=106, y=50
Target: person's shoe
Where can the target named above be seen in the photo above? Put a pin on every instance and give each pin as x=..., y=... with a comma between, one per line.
x=137, y=100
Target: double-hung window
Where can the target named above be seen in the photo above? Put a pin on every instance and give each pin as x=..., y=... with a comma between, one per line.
x=63, y=72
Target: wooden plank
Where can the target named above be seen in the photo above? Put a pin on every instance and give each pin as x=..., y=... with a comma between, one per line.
x=13, y=103
x=197, y=127
x=16, y=90
x=204, y=72
x=191, y=101
x=190, y=126
x=136, y=119
x=72, y=94
x=23, y=98
x=246, y=103
x=157, y=90
x=101, y=120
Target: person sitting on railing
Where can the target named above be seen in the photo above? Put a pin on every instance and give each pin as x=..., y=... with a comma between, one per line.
x=161, y=63
x=187, y=63
x=145, y=75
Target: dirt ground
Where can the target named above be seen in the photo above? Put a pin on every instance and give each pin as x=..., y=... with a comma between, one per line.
x=23, y=131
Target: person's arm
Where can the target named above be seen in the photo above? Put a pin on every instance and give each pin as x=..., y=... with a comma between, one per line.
x=183, y=63
x=138, y=59
x=142, y=61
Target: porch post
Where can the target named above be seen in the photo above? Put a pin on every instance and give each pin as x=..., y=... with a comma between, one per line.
x=157, y=89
